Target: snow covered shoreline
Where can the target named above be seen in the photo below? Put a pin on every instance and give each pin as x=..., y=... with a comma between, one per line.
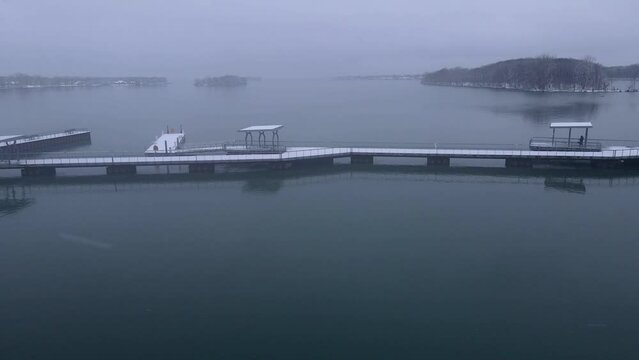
x=22, y=81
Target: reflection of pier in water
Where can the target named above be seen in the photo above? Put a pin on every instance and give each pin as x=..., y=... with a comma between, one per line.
x=14, y=200
x=570, y=180
x=543, y=113
x=570, y=185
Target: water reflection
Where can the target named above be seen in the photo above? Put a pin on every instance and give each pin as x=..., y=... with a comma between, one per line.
x=544, y=113
x=574, y=181
x=570, y=185
x=14, y=200
x=263, y=185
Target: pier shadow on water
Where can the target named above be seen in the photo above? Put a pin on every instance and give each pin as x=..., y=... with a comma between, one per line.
x=14, y=199
x=565, y=184
x=20, y=193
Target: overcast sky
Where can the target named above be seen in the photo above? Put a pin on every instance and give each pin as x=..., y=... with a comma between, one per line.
x=300, y=38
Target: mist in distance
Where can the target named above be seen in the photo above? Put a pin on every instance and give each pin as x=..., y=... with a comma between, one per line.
x=304, y=39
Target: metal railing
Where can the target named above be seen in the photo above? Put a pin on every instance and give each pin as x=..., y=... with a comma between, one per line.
x=405, y=145
x=224, y=148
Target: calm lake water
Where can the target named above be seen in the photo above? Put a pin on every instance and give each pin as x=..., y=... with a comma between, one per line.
x=390, y=261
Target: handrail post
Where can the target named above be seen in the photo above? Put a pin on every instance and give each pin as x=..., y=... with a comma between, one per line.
x=586, y=140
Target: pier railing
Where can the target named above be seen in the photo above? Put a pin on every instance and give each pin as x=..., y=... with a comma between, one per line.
x=404, y=145
x=564, y=144
x=287, y=145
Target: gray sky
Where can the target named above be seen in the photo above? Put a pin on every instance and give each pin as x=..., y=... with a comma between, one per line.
x=300, y=38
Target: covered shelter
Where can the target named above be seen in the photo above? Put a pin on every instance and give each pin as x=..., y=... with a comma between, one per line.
x=566, y=144
x=261, y=131
x=570, y=126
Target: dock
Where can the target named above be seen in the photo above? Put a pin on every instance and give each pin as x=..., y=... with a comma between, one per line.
x=169, y=142
x=168, y=150
x=31, y=144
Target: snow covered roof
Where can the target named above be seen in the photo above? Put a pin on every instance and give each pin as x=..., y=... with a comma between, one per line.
x=566, y=125
x=261, y=128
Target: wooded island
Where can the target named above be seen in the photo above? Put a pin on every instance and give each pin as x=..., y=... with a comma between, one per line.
x=544, y=73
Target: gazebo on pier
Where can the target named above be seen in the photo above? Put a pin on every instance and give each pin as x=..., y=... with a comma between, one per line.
x=262, y=142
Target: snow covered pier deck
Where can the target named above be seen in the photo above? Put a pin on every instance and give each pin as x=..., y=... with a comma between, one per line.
x=607, y=158
x=23, y=144
x=167, y=143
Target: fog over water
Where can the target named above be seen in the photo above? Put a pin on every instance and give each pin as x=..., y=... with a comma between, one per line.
x=293, y=38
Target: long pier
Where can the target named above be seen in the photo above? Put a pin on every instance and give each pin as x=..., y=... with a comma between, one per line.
x=607, y=158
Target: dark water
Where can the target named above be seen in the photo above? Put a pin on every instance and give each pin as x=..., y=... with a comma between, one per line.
x=389, y=261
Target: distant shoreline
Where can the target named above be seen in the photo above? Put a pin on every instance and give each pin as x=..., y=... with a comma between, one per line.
x=225, y=81
x=34, y=87
x=23, y=81
x=411, y=77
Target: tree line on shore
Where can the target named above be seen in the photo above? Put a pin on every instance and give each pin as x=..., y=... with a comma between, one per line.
x=543, y=73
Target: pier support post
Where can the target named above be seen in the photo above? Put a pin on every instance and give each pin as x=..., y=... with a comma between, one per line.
x=201, y=168
x=437, y=161
x=362, y=159
x=38, y=171
x=121, y=170
x=519, y=163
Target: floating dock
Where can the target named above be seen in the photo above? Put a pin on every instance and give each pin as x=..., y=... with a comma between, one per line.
x=32, y=144
x=168, y=143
